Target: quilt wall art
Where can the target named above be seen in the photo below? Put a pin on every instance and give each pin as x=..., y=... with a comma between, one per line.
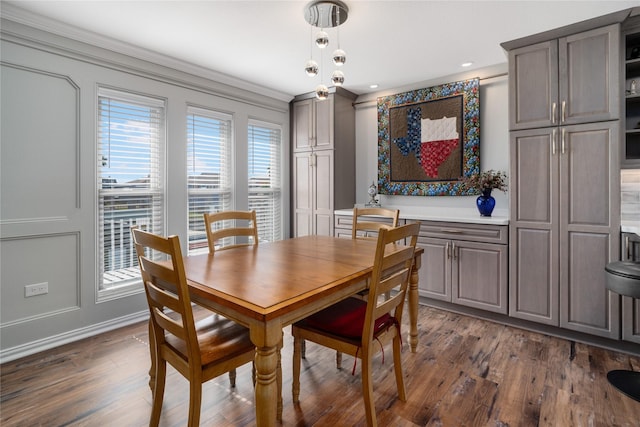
x=428, y=139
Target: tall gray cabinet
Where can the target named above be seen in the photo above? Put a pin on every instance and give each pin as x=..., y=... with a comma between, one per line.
x=323, y=162
x=564, y=98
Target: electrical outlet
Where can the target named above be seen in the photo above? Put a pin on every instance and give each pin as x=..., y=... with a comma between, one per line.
x=36, y=289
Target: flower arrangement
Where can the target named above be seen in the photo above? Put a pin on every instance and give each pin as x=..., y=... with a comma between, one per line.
x=486, y=181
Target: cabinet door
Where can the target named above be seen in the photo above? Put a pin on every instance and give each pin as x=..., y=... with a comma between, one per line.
x=303, y=125
x=302, y=195
x=533, y=228
x=589, y=76
x=631, y=319
x=589, y=227
x=479, y=275
x=435, y=274
x=324, y=125
x=533, y=86
x=322, y=192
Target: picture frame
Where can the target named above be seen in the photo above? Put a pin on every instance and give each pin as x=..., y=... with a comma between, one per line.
x=428, y=139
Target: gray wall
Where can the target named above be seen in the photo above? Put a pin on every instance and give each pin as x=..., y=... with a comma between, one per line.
x=48, y=226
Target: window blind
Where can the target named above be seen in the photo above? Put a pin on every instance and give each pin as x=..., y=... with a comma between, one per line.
x=130, y=180
x=209, y=179
x=265, y=188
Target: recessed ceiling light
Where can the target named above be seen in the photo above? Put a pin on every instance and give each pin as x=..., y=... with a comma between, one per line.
x=466, y=64
x=373, y=86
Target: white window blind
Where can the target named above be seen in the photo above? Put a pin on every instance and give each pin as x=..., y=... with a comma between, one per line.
x=131, y=133
x=265, y=188
x=208, y=170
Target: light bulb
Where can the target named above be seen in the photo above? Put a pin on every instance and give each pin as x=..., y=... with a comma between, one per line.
x=322, y=39
x=322, y=92
x=339, y=57
x=311, y=68
x=337, y=78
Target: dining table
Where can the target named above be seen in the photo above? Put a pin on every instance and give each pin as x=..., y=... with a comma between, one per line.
x=269, y=286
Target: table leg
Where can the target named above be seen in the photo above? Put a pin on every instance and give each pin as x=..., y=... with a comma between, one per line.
x=266, y=338
x=413, y=306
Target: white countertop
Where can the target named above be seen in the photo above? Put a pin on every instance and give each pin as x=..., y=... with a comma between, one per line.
x=630, y=227
x=470, y=216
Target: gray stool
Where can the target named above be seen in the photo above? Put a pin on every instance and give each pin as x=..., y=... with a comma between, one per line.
x=623, y=277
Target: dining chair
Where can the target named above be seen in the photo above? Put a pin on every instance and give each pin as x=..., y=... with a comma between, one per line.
x=367, y=222
x=361, y=328
x=199, y=351
x=223, y=226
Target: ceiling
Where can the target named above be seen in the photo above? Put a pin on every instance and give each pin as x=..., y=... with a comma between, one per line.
x=389, y=43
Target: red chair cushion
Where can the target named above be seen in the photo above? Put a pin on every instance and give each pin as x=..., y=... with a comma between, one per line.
x=346, y=318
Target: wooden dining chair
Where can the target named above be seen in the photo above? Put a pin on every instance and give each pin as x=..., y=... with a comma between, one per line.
x=199, y=351
x=367, y=222
x=361, y=328
x=228, y=226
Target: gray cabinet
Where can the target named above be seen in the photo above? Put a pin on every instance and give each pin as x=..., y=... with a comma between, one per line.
x=465, y=264
x=568, y=80
x=323, y=160
x=631, y=141
x=564, y=226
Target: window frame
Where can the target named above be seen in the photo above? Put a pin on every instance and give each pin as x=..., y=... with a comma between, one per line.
x=157, y=189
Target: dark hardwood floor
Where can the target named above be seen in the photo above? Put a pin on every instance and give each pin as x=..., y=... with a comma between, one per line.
x=467, y=372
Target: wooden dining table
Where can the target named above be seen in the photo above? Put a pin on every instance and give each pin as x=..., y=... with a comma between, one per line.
x=271, y=285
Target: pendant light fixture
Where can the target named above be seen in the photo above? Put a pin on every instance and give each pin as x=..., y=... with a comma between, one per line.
x=323, y=14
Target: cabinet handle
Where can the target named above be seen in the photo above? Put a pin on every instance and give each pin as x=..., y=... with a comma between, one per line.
x=627, y=247
x=453, y=250
x=312, y=159
x=563, y=138
x=554, y=141
x=564, y=109
x=448, y=250
x=452, y=231
x=554, y=107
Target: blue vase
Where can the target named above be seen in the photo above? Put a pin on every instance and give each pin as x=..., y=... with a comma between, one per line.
x=486, y=203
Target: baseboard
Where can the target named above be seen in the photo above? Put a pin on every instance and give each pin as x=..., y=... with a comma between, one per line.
x=13, y=353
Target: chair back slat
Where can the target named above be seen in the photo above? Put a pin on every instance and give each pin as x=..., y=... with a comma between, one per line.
x=367, y=222
x=227, y=224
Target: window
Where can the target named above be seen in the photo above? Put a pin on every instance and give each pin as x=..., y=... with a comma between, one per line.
x=131, y=134
x=265, y=190
x=208, y=170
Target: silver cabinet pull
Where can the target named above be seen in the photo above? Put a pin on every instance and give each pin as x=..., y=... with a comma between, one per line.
x=564, y=110
x=453, y=250
x=448, y=249
x=554, y=107
x=563, y=138
x=554, y=138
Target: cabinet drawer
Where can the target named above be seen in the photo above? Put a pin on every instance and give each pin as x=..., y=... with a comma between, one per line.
x=468, y=232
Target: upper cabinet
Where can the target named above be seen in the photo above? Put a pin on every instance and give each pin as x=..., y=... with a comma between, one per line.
x=313, y=124
x=631, y=141
x=567, y=80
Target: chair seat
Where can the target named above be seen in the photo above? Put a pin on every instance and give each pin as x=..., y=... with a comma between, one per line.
x=623, y=277
x=345, y=319
x=219, y=338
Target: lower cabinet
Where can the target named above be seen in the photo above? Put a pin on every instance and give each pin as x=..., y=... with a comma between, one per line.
x=465, y=264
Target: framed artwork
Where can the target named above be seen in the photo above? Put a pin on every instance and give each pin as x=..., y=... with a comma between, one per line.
x=428, y=139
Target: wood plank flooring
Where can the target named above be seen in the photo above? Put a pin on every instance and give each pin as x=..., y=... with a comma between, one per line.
x=467, y=372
